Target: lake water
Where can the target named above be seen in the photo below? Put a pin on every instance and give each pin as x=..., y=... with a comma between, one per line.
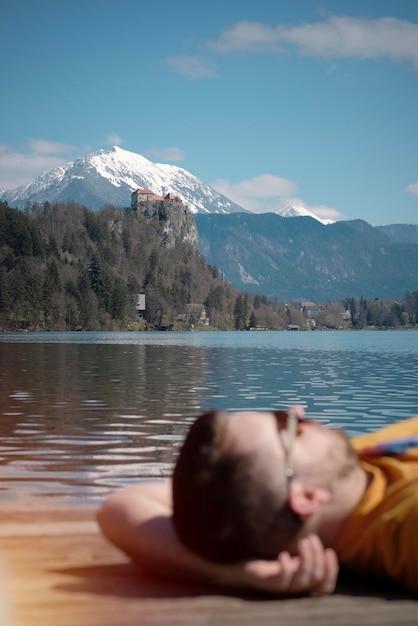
x=84, y=413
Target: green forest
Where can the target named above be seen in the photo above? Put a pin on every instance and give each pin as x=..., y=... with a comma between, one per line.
x=65, y=267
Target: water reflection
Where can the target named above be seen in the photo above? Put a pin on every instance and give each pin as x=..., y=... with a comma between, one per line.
x=81, y=414
x=92, y=415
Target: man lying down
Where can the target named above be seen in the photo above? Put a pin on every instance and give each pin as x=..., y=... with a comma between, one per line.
x=275, y=502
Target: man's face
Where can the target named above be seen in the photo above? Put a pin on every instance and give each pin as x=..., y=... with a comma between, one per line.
x=319, y=453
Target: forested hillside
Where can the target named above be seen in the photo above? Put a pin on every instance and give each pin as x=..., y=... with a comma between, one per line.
x=64, y=267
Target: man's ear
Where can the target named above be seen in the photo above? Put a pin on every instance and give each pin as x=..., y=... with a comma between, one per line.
x=306, y=499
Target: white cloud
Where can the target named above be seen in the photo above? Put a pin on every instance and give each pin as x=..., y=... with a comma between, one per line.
x=412, y=188
x=20, y=167
x=41, y=146
x=165, y=154
x=113, y=139
x=244, y=36
x=268, y=193
x=336, y=37
x=192, y=66
x=257, y=194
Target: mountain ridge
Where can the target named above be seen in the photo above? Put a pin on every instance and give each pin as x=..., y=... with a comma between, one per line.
x=109, y=177
x=302, y=259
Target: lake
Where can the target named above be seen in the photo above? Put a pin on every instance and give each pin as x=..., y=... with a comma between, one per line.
x=84, y=413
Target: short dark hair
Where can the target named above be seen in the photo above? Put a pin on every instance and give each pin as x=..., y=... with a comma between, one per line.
x=225, y=507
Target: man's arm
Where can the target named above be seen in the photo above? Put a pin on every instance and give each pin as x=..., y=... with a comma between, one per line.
x=137, y=520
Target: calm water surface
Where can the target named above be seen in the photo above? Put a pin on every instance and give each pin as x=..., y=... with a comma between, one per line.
x=84, y=413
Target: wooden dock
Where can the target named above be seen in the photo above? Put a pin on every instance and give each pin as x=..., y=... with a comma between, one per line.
x=57, y=570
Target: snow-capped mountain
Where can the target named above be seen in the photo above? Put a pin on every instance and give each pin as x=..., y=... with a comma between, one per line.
x=300, y=211
x=110, y=177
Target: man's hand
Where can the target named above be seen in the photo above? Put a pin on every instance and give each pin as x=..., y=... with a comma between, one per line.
x=314, y=570
x=137, y=519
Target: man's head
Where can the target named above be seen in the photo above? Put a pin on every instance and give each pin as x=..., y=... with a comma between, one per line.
x=232, y=497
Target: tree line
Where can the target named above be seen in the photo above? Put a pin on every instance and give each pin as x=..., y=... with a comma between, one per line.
x=65, y=267
x=360, y=313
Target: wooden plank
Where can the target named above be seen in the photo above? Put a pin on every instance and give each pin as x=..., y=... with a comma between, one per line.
x=59, y=571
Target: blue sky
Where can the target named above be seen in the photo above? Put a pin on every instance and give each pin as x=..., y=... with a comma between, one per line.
x=271, y=101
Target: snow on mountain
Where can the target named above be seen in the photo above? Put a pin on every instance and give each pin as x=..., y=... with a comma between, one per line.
x=110, y=177
x=300, y=211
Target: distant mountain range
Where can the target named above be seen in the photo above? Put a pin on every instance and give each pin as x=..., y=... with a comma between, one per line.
x=302, y=259
x=403, y=233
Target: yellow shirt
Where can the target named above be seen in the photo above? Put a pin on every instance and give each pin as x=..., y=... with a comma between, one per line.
x=380, y=538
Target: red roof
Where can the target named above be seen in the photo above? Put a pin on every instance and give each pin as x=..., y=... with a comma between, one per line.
x=147, y=191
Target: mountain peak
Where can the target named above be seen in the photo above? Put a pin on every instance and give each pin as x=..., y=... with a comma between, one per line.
x=109, y=177
x=291, y=210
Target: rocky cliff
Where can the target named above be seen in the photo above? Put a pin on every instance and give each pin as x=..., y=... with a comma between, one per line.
x=178, y=221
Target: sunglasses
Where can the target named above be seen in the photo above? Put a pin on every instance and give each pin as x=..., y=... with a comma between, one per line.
x=291, y=422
